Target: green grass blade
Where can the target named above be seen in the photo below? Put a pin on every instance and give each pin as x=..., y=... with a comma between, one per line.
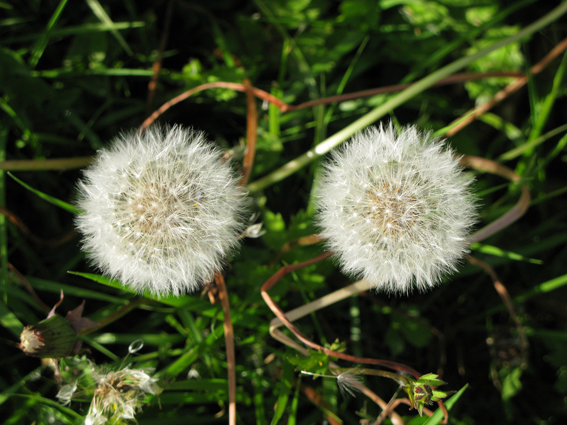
x=285, y=389
x=5, y=395
x=179, y=301
x=57, y=202
x=395, y=101
x=493, y=250
x=56, y=287
x=548, y=101
x=87, y=28
x=529, y=146
x=542, y=288
x=41, y=43
x=10, y=321
x=101, y=14
x=438, y=415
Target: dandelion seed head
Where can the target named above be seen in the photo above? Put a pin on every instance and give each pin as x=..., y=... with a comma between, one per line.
x=396, y=208
x=120, y=393
x=161, y=210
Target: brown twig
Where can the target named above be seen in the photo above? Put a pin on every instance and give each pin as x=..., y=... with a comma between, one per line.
x=395, y=403
x=281, y=315
x=251, y=134
x=284, y=107
x=230, y=357
x=518, y=210
x=59, y=164
x=156, y=68
x=219, y=84
x=29, y=288
x=505, y=296
x=508, y=90
x=452, y=79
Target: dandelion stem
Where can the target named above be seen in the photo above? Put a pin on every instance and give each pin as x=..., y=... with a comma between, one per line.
x=518, y=210
x=230, y=357
x=251, y=133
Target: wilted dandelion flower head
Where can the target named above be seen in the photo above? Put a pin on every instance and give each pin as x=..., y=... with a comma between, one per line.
x=161, y=210
x=396, y=208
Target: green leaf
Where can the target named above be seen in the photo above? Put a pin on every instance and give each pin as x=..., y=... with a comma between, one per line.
x=284, y=391
x=50, y=199
x=9, y=320
x=438, y=415
x=179, y=301
x=511, y=383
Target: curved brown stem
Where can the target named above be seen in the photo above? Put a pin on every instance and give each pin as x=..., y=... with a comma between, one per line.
x=251, y=134
x=230, y=357
x=518, y=210
x=507, y=91
x=281, y=315
x=156, y=68
x=452, y=79
x=219, y=84
x=284, y=107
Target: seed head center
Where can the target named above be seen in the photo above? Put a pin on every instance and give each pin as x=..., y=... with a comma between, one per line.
x=393, y=210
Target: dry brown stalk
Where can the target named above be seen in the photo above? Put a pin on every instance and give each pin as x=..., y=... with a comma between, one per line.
x=229, y=339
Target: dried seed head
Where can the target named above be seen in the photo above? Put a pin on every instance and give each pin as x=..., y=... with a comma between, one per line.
x=51, y=338
x=396, y=208
x=161, y=210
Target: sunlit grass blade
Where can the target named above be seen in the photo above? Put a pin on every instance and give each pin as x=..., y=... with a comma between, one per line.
x=530, y=145
x=9, y=320
x=101, y=14
x=395, y=101
x=542, y=288
x=41, y=43
x=493, y=250
x=56, y=287
x=113, y=283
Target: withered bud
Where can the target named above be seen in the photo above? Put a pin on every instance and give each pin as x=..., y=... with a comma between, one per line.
x=423, y=393
x=51, y=338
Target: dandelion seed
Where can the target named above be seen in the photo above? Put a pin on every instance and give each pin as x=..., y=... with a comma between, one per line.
x=349, y=382
x=396, y=209
x=161, y=210
x=119, y=394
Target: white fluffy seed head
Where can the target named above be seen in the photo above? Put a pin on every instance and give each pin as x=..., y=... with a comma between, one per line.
x=396, y=208
x=161, y=210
